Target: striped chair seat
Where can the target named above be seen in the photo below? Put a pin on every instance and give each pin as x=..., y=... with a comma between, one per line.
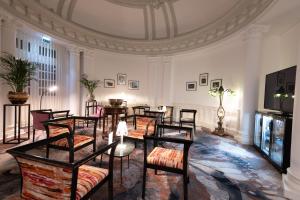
x=138, y=134
x=88, y=178
x=78, y=141
x=166, y=157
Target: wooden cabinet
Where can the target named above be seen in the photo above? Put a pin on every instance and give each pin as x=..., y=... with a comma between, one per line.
x=272, y=138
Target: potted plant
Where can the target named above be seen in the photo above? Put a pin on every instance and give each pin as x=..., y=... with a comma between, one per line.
x=90, y=85
x=16, y=73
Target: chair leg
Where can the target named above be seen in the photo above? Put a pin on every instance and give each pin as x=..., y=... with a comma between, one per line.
x=144, y=182
x=185, y=187
x=47, y=151
x=156, y=172
x=33, y=136
x=110, y=188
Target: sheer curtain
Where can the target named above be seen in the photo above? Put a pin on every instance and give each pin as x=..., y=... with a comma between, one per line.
x=51, y=60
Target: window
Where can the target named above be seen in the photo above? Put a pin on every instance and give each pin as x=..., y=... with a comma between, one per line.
x=46, y=78
x=21, y=44
x=28, y=46
x=17, y=42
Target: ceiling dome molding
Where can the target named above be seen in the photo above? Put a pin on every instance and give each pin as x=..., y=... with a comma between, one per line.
x=51, y=22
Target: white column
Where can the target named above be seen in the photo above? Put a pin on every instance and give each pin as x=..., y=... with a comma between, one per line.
x=167, y=95
x=253, y=50
x=74, y=81
x=291, y=181
x=87, y=67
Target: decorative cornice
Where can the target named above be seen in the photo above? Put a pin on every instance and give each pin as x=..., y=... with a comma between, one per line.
x=37, y=15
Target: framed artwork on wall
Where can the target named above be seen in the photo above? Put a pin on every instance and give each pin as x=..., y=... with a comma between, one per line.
x=133, y=85
x=203, y=79
x=121, y=79
x=215, y=84
x=191, y=86
x=109, y=83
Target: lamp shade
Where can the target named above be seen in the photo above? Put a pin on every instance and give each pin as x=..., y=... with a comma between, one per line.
x=122, y=129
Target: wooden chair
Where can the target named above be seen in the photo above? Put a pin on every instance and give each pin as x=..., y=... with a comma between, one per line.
x=39, y=116
x=43, y=178
x=99, y=113
x=191, y=119
x=168, y=116
x=167, y=159
x=139, y=110
x=75, y=139
x=145, y=125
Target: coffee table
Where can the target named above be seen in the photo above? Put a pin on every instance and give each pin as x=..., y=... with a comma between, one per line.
x=122, y=151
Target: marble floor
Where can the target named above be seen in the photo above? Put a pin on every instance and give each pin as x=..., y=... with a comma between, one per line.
x=219, y=169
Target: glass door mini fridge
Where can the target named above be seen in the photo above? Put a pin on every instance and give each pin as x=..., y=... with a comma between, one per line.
x=276, y=152
x=266, y=134
x=257, y=129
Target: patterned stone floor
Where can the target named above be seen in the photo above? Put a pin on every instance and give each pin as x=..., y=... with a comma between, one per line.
x=220, y=169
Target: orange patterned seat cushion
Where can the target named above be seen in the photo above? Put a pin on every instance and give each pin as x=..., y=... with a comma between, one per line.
x=138, y=134
x=142, y=122
x=88, y=178
x=54, y=130
x=166, y=157
x=78, y=141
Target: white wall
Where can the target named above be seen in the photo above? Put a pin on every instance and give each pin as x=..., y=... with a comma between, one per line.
x=279, y=52
x=107, y=65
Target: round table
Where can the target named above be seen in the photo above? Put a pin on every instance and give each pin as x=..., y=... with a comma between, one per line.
x=114, y=112
x=122, y=150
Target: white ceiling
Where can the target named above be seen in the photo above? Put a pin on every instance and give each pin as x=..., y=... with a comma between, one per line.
x=139, y=26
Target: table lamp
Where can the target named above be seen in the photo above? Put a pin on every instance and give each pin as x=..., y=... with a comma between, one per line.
x=121, y=131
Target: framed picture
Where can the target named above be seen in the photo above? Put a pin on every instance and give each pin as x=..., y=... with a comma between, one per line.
x=109, y=83
x=121, y=79
x=133, y=85
x=191, y=86
x=215, y=84
x=203, y=79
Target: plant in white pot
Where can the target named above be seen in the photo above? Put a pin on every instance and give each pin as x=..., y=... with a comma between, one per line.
x=90, y=85
x=17, y=74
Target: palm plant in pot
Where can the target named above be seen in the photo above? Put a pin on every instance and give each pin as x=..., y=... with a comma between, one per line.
x=90, y=85
x=17, y=74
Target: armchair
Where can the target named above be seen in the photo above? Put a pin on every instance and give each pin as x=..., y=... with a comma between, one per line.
x=74, y=140
x=43, y=178
x=167, y=159
x=168, y=115
x=145, y=125
x=39, y=116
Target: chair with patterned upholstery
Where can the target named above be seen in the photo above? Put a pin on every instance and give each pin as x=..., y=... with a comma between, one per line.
x=167, y=159
x=188, y=116
x=39, y=116
x=43, y=178
x=145, y=125
x=77, y=137
x=168, y=115
x=99, y=114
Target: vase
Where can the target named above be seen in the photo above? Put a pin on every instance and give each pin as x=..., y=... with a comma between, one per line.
x=92, y=97
x=17, y=97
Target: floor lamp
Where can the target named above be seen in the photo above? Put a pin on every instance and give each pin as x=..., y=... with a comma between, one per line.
x=50, y=89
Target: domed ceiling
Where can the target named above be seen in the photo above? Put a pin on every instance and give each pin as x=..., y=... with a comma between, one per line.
x=139, y=26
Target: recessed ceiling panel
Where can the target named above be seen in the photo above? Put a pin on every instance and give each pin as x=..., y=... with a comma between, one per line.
x=109, y=18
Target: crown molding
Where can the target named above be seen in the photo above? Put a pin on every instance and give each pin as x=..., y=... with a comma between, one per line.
x=32, y=12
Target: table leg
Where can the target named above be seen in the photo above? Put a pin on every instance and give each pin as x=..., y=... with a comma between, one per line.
x=4, y=122
x=28, y=122
x=128, y=161
x=15, y=123
x=121, y=169
x=19, y=124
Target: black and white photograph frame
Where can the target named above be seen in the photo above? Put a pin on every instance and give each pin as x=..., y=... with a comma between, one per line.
x=191, y=86
x=203, y=79
x=133, y=85
x=121, y=79
x=109, y=83
x=215, y=84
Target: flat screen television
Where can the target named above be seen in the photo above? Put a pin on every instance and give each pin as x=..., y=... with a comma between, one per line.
x=280, y=89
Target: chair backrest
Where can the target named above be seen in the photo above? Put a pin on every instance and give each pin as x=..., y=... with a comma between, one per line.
x=144, y=122
x=44, y=181
x=54, y=130
x=38, y=117
x=139, y=110
x=169, y=111
x=188, y=112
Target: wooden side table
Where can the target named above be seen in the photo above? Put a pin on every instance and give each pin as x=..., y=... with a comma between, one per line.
x=17, y=123
x=114, y=112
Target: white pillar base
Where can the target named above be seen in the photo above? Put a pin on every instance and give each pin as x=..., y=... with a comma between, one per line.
x=291, y=184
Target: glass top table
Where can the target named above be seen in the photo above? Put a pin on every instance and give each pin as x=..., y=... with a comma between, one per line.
x=122, y=150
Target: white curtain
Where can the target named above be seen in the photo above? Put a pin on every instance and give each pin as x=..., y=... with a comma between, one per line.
x=51, y=60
